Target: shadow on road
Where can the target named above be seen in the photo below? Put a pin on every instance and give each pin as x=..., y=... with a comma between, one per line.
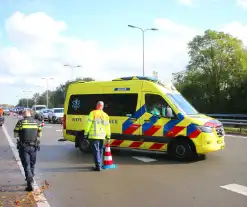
x=162, y=158
x=67, y=154
x=66, y=169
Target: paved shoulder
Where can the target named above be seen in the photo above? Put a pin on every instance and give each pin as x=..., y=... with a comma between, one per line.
x=12, y=187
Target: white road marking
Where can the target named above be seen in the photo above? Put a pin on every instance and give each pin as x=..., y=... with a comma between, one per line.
x=236, y=188
x=144, y=159
x=58, y=130
x=38, y=196
x=236, y=136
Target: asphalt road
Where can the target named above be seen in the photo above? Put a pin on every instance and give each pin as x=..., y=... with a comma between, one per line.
x=156, y=182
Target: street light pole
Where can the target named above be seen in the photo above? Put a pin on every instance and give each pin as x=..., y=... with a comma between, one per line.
x=143, y=31
x=47, y=90
x=27, y=96
x=72, y=69
x=35, y=99
x=143, y=53
x=17, y=100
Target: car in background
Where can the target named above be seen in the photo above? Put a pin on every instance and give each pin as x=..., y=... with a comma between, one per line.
x=44, y=114
x=1, y=120
x=56, y=115
x=36, y=109
x=6, y=111
x=19, y=110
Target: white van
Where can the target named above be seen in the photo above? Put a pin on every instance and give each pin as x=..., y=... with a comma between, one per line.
x=36, y=109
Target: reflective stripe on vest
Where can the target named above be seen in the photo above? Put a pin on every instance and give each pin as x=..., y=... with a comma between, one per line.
x=99, y=124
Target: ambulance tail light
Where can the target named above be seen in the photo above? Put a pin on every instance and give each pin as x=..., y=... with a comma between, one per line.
x=64, y=121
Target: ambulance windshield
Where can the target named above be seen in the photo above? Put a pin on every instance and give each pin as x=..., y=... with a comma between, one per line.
x=182, y=104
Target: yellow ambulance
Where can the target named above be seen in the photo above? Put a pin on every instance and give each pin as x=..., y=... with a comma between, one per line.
x=144, y=114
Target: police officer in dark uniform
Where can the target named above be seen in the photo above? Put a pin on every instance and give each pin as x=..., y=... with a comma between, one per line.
x=28, y=130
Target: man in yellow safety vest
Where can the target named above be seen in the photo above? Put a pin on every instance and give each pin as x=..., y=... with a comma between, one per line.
x=96, y=130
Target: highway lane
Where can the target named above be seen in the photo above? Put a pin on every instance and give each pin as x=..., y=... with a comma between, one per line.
x=161, y=182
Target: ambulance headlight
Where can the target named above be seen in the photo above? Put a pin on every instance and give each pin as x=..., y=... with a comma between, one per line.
x=205, y=129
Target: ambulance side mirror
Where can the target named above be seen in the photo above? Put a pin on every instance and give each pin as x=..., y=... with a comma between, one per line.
x=169, y=112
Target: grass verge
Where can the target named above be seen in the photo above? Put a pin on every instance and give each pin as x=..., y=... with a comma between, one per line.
x=235, y=131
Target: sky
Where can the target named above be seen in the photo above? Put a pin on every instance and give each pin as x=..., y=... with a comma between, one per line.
x=38, y=37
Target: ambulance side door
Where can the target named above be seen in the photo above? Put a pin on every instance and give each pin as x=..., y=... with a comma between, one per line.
x=123, y=108
x=153, y=124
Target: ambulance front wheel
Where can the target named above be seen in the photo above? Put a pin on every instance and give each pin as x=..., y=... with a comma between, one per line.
x=182, y=150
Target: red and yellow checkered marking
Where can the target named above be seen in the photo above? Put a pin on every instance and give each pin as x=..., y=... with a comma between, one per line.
x=139, y=145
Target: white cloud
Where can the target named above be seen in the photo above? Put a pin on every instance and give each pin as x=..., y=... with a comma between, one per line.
x=6, y=79
x=34, y=27
x=242, y=3
x=39, y=49
x=236, y=29
x=174, y=28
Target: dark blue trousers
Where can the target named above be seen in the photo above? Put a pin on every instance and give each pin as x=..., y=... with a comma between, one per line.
x=28, y=159
x=97, y=146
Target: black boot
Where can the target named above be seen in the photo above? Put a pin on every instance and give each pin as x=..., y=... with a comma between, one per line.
x=29, y=186
x=97, y=168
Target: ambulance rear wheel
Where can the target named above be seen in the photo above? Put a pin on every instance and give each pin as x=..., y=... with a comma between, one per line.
x=84, y=145
x=182, y=150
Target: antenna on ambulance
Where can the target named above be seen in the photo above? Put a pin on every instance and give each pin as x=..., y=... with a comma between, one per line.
x=155, y=74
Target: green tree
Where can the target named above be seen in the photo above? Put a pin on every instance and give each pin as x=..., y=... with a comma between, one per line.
x=56, y=97
x=23, y=102
x=217, y=64
x=60, y=93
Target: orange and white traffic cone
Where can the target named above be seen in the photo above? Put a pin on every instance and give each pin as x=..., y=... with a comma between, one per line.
x=108, y=163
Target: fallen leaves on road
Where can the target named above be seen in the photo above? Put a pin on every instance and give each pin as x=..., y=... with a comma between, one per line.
x=25, y=200
x=18, y=200
x=38, y=193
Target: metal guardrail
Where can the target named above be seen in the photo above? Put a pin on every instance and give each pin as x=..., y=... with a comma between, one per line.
x=232, y=120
